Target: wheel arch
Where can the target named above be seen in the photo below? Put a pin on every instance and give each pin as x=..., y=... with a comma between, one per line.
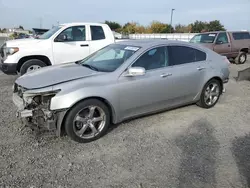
x=43, y=58
x=218, y=79
x=60, y=127
x=246, y=50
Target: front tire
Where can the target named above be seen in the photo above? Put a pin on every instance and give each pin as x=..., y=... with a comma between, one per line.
x=87, y=121
x=31, y=65
x=242, y=58
x=210, y=94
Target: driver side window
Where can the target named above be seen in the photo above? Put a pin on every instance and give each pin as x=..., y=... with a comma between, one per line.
x=75, y=33
x=153, y=59
x=222, y=38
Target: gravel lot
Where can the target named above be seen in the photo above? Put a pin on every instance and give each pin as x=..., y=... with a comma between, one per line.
x=186, y=147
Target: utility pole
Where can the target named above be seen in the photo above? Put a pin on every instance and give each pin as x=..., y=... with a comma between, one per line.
x=172, y=11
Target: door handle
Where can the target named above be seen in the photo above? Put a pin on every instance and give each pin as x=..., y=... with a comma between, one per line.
x=200, y=68
x=229, y=45
x=164, y=75
x=84, y=45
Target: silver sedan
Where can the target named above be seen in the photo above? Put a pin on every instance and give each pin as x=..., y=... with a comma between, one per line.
x=121, y=81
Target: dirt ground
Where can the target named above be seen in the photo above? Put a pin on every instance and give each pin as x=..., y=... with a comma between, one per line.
x=186, y=147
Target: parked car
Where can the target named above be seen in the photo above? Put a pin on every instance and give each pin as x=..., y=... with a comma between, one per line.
x=235, y=45
x=62, y=44
x=22, y=36
x=120, y=81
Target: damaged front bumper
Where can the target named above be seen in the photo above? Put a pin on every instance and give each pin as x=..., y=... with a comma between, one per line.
x=38, y=118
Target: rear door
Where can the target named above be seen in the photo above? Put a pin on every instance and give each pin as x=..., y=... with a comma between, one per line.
x=75, y=47
x=188, y=70
x=98, y=38
x=222, y=45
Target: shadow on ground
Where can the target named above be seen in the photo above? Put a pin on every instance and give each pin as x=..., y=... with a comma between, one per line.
x=241, y=153
x=243, y=75
x=199, y=149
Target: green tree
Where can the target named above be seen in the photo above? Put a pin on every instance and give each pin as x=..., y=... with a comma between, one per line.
x=130, y=28
x=21, y=27
x=140, y=29
x=158, y=27
x=4, y=30
x=215, y=26
x=114, y=26
x=182, y=28
x=198, y=26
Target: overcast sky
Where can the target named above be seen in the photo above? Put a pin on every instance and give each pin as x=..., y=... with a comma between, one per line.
x=234, y=14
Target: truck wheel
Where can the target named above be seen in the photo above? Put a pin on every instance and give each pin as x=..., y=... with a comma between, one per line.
x=241, y=59
x=30, y=65
x=87, y=121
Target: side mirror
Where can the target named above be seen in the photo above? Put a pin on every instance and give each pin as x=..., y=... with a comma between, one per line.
x=219, y=42
x=61, y=38
x=135, y=71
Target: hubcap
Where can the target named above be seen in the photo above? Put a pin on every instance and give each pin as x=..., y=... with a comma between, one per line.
x=33, y=67
x=212, y=94
x=242, y=58
x=89, y=122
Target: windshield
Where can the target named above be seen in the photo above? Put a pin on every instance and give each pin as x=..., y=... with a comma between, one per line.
x=109, y=58
x=49, y=33
x=204, y=38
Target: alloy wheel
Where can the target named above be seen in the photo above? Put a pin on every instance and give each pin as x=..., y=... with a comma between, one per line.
x=212, y=94
x=89, y=122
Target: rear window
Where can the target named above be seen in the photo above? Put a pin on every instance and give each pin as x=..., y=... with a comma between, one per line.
x=97, y=32
x=241, y=35
x=188, y=55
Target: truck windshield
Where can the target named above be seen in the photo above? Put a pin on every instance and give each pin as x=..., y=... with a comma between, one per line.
x=109, y=58
x=204, y=38
x=49, y=33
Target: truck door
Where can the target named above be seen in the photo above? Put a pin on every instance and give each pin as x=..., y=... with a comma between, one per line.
x=222, y=45
x=71, y=45
x=98, y=38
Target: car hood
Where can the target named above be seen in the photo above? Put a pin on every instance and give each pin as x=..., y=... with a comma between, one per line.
x=21, y=42
x=52, y=75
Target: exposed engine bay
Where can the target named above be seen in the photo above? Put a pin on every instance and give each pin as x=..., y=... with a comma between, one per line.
x=34, y=109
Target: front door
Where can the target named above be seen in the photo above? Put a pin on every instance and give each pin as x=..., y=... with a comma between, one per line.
x=71, y=45
x=150, y=92
x=188, y=71
x=222, y=45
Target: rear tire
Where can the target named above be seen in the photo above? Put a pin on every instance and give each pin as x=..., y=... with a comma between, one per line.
x=242, y=58
x=83, y=126
x=32, y=64
x=207, y=92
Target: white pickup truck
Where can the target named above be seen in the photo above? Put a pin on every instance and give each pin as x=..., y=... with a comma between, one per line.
x=62, y=44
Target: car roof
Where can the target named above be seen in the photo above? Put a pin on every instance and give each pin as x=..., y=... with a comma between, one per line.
x=224, y=31
x=82, y=23
x=145, y=43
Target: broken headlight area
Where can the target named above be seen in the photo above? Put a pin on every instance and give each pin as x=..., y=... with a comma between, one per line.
x=36, y=109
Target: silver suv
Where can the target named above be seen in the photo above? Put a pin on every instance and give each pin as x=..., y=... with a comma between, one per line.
x=122, y=80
